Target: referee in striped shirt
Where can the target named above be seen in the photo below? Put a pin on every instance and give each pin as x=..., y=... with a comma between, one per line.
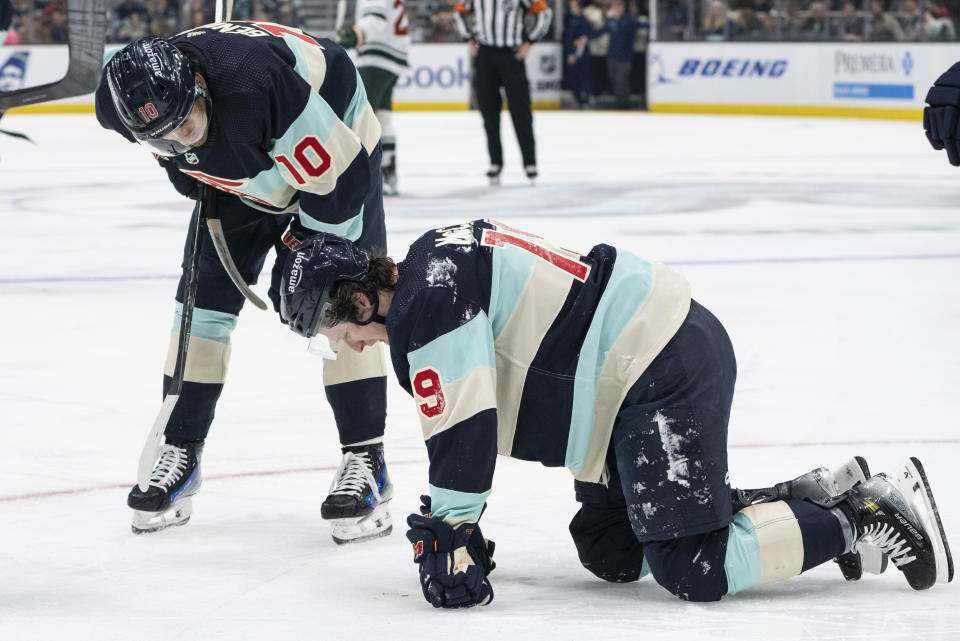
x=500, y=37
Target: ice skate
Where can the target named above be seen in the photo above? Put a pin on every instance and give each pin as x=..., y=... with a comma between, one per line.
x=881, y=511
x=912, y=482
x=826, y=487
x=175, y=478
x=358, y=504
x=532, y=173
x=493, y=174
x=865, y=556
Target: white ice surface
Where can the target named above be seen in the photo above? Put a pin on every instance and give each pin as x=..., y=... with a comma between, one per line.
x=830, y=249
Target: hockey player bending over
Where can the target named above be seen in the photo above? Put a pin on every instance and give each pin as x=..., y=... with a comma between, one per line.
x=278, y=122
x=601, y=363
x=383, y=45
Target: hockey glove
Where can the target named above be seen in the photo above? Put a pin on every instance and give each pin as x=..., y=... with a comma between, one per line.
x=454, y=562
x=347, y=37
x=294, y=235
x=940, y=117
x=183, y=183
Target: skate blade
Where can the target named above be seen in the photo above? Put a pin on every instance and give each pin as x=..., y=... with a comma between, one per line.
x=149, y=522
x=912, y=482
x=355, y=530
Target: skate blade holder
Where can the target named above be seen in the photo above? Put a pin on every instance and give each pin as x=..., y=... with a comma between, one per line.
x=147, y=522
x=355, y=529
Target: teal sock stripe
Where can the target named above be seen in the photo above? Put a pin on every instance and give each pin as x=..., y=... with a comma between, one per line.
x=207, y=323
x=742, y=564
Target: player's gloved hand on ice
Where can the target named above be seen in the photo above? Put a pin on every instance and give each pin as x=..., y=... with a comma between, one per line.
x=941, y=118
x=347, y=37
x=183, y=183
x=454, y=562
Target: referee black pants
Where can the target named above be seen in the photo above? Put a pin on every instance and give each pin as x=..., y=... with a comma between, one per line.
x=497, y=67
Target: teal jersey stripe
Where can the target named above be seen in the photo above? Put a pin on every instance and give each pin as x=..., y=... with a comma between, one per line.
x=742, y=564
x=207, y=323
x=456, y=506
x=297, y=45
x=350, y=229
x=628, y=287
x=458, y=352
x=357, y=104
x=375, y=14
x=511, y=269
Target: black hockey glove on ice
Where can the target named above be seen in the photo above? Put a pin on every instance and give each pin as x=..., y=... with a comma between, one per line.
x=940, y=117
x=454, y=563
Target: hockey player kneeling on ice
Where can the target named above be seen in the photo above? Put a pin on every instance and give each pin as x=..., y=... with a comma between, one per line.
x=278, y=123
x=604, y=364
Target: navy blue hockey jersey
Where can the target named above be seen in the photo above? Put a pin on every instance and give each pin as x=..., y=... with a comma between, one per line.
x=511, y=345
x=291, y=129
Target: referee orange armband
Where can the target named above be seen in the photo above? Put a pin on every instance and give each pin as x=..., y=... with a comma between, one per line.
x=538, y=6
x=459, y=8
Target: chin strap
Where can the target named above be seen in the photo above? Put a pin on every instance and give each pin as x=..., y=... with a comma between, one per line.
x=375, y=317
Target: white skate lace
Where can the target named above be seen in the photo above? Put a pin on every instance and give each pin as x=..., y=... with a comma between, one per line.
x=354, y=472
x=890, y=542
x=170, y=467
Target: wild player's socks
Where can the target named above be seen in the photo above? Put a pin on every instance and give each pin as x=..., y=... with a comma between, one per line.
x=774, y=541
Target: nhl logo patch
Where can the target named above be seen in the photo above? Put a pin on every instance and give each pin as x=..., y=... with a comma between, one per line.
x=191, y=158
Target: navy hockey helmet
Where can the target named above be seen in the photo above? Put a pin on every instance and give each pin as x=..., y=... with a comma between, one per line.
x=310, y=275
x=153, y=91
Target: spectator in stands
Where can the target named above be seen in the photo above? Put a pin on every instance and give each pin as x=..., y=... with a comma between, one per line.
x=164, y=17
x=849, y=26
x=32, y=30
x=769, y=26
x=576, y=37
x=133, y=29
x=622, y=26
x=938, y=28
x=598, y=50
x=58, y=26
x=748, y=25
x=194, y=13
x=815, y=26
x=674, y=26
x=119, y=28
x=911, y=20
x=883, y=26
x=716, y=23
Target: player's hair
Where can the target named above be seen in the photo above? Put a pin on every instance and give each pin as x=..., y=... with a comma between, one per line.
x=380, y=276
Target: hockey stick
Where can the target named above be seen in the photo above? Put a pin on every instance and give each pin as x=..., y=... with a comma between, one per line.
x=220, y=244
x=154, y=439
x=341, y=15
x=88, y=28
x=223, y=10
